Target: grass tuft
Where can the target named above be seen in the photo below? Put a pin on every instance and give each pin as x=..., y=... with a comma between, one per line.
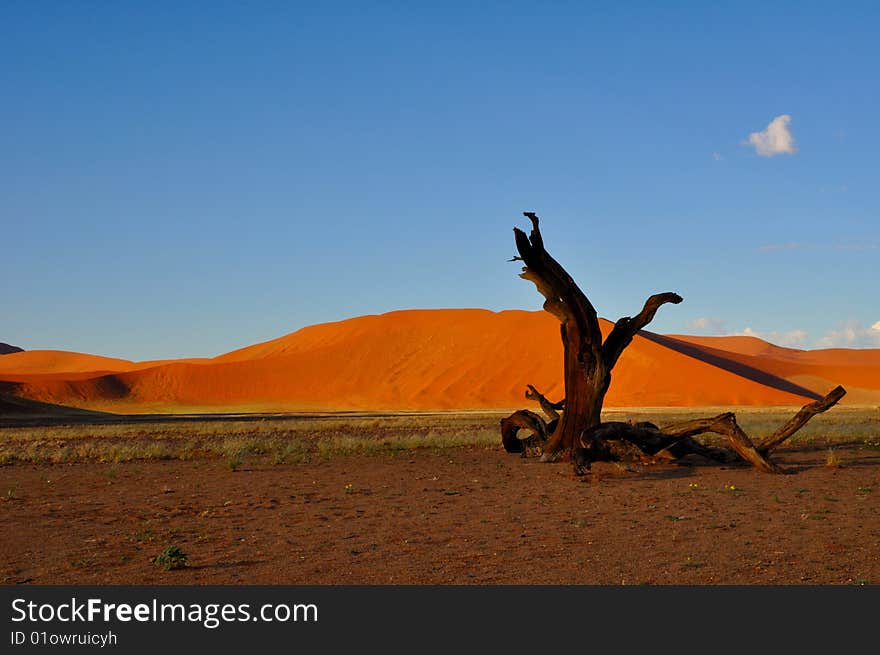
x=170, y=559
x=832, y=459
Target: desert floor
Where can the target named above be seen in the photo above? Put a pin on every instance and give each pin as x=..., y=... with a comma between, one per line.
x=458, y=515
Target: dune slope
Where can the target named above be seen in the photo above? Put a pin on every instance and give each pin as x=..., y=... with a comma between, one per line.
x=62, y=362
x=818, y=370
x=409, y=360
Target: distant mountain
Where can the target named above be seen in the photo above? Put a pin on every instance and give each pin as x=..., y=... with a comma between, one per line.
x=6, y=349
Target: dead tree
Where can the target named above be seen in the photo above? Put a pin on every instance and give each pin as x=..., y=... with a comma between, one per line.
x=588, y=361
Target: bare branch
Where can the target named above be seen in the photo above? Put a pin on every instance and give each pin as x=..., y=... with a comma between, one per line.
x=626, y=328
x=556, y=285
x=800, y=419
x=550, y=409
x=553, y=304
x=726, y=425
x=525, y=420
x=536, y=238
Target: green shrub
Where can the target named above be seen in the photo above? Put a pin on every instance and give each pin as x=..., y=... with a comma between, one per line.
x=170, y=559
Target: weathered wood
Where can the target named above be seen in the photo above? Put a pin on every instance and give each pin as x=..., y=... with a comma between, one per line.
x=690, y=446
x=549, y=408
x=522, y=419
x=587, y=366
x=800, y=419
x=725, y=425
x=603, y=443
x=583, y=370
x=587, y=363
x=674, y=441
x=626, y=328
x=646, y=436
x=669, y=443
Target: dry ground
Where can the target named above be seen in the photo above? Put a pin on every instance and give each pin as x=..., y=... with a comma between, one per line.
x=457, y=514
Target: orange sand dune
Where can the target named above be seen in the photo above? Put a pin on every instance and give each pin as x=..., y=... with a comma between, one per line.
x=412, y=360
x=45, y=362
x=14, y=407
x=742, y=345
x=759, y=348
x=32, y=362
x=817, y=370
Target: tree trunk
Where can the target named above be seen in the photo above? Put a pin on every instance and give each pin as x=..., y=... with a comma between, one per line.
x=588, y=362
x=586, y=383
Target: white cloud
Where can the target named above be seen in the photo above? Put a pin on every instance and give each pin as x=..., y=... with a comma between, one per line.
x=717, y=326
x=793, y=338
x=775, y=140
x=848, y=334
x=706, y=324
x=717, y=156
x=851, y=334
x=790, y=339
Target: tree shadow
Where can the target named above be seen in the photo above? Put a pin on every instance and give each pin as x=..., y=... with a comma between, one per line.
x=633, y=471
x=732, y=366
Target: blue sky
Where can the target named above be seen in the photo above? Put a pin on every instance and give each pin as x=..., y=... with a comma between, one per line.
x=185, y=180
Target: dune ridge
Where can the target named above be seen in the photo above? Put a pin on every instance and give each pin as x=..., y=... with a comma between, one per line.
x=817, y=370
x=48, y=362
x=436, y=360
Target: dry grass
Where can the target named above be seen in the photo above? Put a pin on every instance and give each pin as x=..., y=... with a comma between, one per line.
x=845, y=424
x=278, y=440
x=832, y=459
x=303, y=439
